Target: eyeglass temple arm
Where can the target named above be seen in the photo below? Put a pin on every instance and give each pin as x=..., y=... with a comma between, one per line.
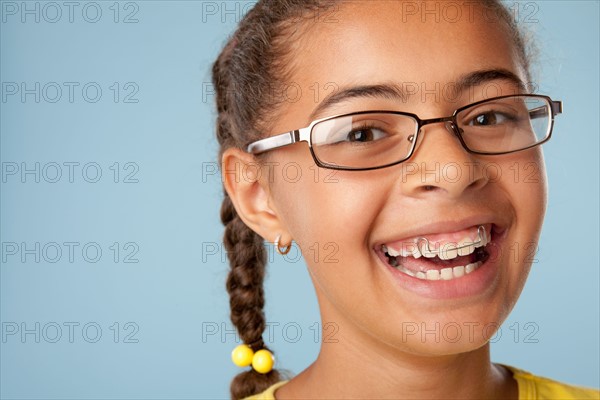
x=556, y=107
x=273, y=142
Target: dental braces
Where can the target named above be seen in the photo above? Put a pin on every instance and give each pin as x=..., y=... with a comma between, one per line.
x=482, y=237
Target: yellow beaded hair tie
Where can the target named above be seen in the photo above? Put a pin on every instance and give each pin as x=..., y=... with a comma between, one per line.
x=262, y=361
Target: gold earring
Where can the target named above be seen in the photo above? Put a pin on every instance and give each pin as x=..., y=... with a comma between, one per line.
x=282, y=251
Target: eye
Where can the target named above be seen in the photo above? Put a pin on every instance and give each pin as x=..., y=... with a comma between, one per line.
x=365, y=134
x=490, y=118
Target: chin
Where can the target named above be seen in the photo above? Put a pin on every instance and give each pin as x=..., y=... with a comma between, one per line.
x=444, y=339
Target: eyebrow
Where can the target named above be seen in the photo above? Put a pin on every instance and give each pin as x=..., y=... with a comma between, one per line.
x=393, y=91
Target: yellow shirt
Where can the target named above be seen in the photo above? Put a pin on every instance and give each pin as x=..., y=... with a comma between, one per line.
x=531, y=387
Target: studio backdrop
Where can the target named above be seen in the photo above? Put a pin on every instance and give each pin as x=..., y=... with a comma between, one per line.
x=112, y=266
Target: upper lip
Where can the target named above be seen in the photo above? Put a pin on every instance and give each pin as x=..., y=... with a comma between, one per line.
x=447, y=226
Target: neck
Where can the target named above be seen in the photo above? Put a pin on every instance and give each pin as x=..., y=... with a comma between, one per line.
x=356, y=367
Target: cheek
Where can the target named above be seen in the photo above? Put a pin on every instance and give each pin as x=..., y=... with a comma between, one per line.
x=524, y=184
x=330, y=209
x=524, y=179
x=329, y=215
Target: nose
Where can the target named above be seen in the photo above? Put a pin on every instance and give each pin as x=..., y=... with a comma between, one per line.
x=440, y=165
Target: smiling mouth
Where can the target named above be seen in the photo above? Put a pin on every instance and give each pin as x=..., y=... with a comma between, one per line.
x=427, y=259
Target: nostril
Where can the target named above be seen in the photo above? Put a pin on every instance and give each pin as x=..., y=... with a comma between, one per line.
x=478, y=183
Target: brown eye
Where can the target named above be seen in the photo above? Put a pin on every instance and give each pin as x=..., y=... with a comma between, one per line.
x=490, y=118
x=486, y=119
x=365, y=135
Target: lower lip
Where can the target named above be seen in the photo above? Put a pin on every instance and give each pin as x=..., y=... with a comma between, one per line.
x=473, y=284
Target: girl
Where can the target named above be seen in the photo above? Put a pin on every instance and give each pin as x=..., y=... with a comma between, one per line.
x=420, y=111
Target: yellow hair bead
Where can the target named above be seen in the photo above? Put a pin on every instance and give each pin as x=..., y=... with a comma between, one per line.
x=263, y=361
x=242, y=355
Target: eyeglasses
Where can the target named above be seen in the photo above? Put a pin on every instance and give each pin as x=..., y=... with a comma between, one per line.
x=368, y=140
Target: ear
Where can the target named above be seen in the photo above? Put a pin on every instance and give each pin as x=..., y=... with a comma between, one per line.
x=249, y=192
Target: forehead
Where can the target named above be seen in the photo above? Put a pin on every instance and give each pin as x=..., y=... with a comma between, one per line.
x=426, y=43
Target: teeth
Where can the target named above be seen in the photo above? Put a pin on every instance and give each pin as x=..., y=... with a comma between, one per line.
x=446, y=274
x=393, y=252
x=433, y=275
x=458, y=271
x=405, y=252
x=483, y=237
x=416, y=253
x=423, y=248
x=409, y=250
x=470, y=268
x=465, y=251
x=448, y=251
x=465, y=247
x=429, y=254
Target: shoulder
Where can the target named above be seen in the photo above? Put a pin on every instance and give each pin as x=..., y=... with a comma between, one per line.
x=268, y=394
x=533, y=387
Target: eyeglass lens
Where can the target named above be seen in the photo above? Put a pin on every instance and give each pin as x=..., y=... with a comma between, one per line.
x=366, y=140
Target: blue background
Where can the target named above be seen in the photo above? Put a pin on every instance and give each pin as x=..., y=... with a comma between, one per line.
x=158, y=328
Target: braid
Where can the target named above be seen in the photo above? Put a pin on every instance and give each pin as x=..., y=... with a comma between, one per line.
x=247, y=257
x=243, y=70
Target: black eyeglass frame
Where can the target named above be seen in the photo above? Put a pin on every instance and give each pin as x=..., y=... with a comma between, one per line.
x=305, y=134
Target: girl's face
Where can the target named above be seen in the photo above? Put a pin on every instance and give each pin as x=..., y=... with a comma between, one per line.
x=341, y=219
